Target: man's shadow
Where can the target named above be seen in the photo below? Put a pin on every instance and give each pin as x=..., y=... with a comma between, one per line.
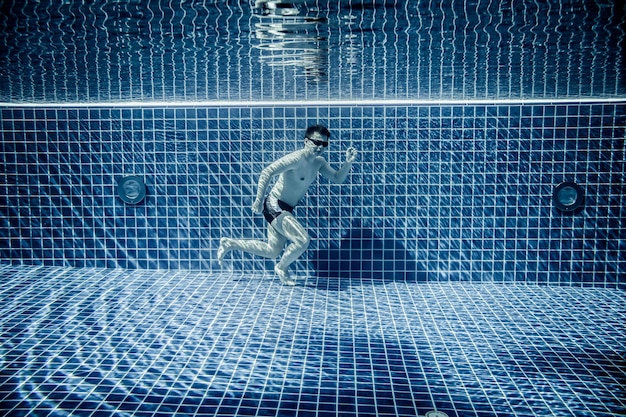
x=362, y=257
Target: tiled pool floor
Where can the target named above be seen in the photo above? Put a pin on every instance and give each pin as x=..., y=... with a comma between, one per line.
x=161, y=343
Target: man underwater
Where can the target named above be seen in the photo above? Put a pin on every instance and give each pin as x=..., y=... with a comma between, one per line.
x=295, y=171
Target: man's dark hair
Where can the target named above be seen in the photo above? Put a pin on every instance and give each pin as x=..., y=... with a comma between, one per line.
x=317, y=128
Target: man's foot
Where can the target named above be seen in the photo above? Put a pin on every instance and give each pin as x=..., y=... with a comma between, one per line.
x=223, y=249
x=284, y=276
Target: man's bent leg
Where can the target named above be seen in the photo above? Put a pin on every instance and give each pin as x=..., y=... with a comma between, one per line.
x=270, y=249
x=289, y=227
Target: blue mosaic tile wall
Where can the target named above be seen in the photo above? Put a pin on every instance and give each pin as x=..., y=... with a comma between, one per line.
x=459, y=192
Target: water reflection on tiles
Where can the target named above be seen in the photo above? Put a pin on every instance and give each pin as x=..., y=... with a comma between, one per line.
x=183, y=343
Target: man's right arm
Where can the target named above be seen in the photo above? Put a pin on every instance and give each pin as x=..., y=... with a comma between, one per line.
x=275, y=168
x=264, y=180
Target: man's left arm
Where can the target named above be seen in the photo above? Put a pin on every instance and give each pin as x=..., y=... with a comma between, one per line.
x=339, y=176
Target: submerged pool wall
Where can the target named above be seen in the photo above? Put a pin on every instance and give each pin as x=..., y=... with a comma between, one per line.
x=439, y=192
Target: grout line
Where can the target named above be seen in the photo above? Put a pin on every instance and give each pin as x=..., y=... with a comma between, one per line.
x=319, y=103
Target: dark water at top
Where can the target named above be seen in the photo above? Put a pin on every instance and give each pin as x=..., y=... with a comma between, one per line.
x=95, y=51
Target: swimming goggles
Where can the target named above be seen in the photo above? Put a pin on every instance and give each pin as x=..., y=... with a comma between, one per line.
x=317, y=141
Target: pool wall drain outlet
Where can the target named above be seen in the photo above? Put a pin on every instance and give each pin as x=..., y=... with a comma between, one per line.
x=436, y=414
x=568, y=196
x=131, y=189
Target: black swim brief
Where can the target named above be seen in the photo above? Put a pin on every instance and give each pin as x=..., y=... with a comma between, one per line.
x=273, y=207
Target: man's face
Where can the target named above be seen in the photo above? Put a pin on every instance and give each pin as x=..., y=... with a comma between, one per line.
x=317, y=144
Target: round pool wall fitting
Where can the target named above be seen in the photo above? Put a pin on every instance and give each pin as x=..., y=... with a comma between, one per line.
x=568, y=196
x=131, y=189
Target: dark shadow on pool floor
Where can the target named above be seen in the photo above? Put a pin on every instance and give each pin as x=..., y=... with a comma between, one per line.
x=362, y=257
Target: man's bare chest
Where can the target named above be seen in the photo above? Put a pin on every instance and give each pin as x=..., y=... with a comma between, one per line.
x=302, y=175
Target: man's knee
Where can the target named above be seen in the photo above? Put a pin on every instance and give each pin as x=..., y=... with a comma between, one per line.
x=300, y=240
x=293, y=231
x=274, y=251
x=303, y=241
